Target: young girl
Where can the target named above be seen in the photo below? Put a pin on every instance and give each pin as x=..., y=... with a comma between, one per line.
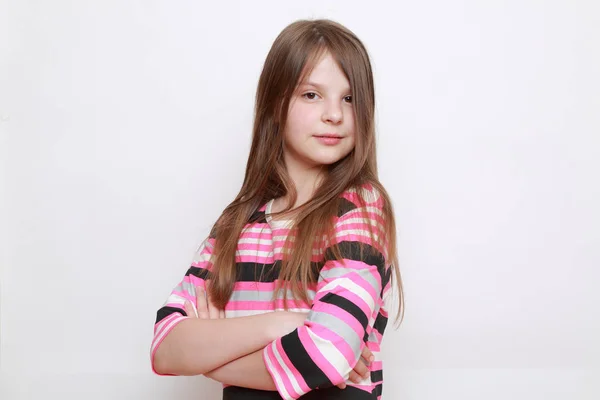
x=285, y=298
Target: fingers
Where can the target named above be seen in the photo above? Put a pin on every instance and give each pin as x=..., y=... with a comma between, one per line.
x=367, y=355
x=189, y=309
x=213, y=312
x=354, y=377
x=361, y=370
x=201, y=303
x=342, y=385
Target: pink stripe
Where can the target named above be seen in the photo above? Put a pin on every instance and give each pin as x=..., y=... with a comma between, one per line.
x=254, y=258
x=378, y=335
x=281, y=373
x=348, y=295
x=313, y=351
x=172, y=321
x=265, y=234
x=376, y=366
x=374, y=347
x=185, y=295
x=366, y=388
x=176, y=305
x=265, y=305
x=266, y=286
x=165, y=322
x=299, y=378
x=254, y=246
x=338, y=341
x=355, y=278
x=195, y=281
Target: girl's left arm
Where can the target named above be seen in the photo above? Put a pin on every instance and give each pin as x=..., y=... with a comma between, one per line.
x=323, y=351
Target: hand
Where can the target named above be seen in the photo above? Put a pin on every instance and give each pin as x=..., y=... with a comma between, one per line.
x=361, y=370
x=204, y=308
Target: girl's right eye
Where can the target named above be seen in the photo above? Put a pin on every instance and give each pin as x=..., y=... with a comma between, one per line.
x=310, y=95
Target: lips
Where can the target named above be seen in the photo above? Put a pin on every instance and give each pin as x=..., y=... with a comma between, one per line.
x=330, y=135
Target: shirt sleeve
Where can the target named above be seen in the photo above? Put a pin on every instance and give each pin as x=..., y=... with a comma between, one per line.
x=323, y=351
x=172, y=312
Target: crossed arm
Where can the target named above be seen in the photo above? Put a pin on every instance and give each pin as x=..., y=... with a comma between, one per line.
x=229, y=357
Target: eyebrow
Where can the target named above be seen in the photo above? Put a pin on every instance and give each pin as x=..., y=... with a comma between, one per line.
x=320, y=86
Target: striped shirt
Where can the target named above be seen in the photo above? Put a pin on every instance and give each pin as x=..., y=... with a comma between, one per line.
x=346, y=310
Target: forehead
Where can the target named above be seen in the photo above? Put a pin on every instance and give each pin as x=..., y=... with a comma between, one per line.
x=325, y=72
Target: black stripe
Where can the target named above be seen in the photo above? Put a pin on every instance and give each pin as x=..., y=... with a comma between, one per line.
x=348, y=306
x=345, y=206
x=257, y=272
x=165, y=311
x=332, y=393
x=385, y=278
x=299, y=357
x=359, y=251
x=257, y=217
x=377, y=390
x=380, y=323
x=252, y=271
x=201, y=273
x=376, y=376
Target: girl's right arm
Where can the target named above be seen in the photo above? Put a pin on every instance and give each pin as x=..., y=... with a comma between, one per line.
x=190, y=346
x=196, y=346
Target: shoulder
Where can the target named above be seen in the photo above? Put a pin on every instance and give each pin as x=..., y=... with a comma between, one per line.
x=364, y=196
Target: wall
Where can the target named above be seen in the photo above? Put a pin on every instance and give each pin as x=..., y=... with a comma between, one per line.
x=124, y=128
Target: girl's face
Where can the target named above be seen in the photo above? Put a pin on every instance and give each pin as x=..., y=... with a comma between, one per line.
x=320, y=125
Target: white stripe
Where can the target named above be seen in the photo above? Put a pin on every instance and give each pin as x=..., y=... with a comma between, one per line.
x=365, y=221
x=289, y=373
x=170, y=325
x=260, y=241
x=175, y=298
x=280, y=384
x=359, y=211
x=331, y=354
x=253, y=229
x=254, y=253
x=201, y=258
x=281, y=238
x=247, y=313
x=352, y=287
x=357, y=232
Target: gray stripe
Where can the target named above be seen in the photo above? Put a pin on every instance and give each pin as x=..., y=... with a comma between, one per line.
x=338, y=272
x=256, y=295
x=338, y=326
x=187, y=287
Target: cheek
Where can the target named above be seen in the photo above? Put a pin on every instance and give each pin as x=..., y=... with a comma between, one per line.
x=298, y=120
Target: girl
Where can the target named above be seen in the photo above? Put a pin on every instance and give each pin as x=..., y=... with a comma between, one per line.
x=285, y=298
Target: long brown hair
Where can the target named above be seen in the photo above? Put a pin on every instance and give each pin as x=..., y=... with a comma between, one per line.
x=292, y=57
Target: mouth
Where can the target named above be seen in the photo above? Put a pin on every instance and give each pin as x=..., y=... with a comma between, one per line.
x=329, y=135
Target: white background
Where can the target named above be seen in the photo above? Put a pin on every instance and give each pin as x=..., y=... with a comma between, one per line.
x=124, y=130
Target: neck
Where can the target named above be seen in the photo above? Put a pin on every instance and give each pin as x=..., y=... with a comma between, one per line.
x=306, y=180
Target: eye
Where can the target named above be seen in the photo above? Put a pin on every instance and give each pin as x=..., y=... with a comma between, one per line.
x=348, y=99
x=310, y=95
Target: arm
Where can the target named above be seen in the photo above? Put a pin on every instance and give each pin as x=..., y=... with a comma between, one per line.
x=248, y=371
x=323, y=351
x=196, y=346
x=190, y=346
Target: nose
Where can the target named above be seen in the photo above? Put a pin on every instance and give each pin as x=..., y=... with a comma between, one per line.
x=333, y=113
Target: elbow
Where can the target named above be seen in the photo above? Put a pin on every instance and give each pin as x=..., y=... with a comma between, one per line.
x=163, y=364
